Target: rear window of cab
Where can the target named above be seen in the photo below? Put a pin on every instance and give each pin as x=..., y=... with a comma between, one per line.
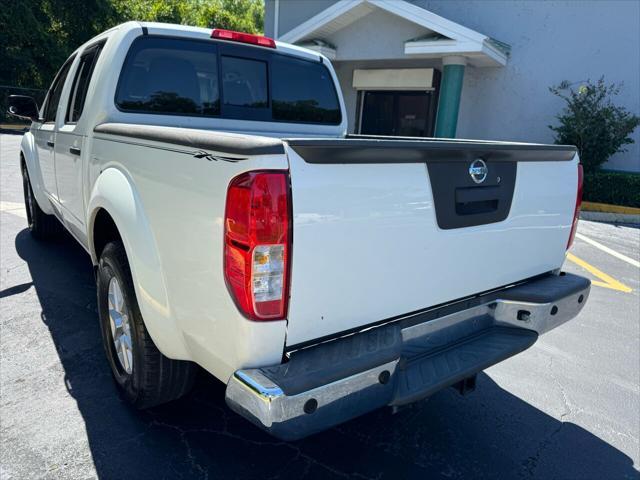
x=174, y=76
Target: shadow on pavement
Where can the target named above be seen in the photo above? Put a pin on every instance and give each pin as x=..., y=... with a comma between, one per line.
x=488, y=434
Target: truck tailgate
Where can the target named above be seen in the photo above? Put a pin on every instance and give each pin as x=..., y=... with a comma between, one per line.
x=383, y=228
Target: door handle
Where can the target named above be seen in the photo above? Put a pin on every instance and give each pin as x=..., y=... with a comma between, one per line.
x=50, y=144
x=74, y=150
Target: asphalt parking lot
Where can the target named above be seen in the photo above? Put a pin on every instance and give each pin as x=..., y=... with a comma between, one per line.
x=569, y=407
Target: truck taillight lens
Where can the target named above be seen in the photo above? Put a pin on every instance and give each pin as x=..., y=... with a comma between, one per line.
x=257, y=243
x=576, y=212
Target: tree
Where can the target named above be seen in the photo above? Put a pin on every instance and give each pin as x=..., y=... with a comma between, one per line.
x=28, y=49
x=39, y=35
x=242, y=15
x=167, y=11
x=592, y=122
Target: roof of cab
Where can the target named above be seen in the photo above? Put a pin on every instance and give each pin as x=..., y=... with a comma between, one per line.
x=187, y=31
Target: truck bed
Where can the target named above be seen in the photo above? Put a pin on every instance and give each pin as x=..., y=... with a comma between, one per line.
x=385, y=227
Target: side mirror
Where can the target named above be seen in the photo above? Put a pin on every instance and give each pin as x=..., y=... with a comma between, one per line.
x=23, y=107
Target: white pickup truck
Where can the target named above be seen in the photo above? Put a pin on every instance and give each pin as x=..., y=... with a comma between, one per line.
x=235, y=225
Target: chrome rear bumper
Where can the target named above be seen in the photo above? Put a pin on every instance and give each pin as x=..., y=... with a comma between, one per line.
x=404, y=361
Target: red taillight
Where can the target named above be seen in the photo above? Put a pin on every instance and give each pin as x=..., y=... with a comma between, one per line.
x=257, y=243
x=576, y=212
x=243, y=37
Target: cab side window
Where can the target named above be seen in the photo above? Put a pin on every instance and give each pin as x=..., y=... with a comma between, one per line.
x=170, y=76
x=55, y=92
x=81, y=82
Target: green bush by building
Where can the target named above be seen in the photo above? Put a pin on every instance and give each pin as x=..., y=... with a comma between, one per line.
x=615, y=188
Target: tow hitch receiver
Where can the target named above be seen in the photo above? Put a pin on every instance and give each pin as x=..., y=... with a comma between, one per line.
x=466, y=386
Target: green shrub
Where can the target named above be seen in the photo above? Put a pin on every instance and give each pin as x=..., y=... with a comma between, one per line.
x=592, y=122
x=615, y=188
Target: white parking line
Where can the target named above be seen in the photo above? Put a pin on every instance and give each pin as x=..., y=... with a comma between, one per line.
x=13, y=208
x=608, y=250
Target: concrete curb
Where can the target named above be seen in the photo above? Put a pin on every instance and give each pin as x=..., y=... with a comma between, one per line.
x=608, y=208
x=610, y=217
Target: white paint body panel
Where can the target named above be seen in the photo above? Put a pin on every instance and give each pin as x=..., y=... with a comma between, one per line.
x=43, y=134
x=70, y=176
x=367, y=246
x=170, y=208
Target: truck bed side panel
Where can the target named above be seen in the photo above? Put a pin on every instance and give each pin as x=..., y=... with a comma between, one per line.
x=181, y=196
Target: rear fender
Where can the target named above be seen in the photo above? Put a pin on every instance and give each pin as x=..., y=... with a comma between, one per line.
x=114, y=192
x=30, y=155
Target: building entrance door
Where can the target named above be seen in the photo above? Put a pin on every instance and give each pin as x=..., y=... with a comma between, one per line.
x=397, y=113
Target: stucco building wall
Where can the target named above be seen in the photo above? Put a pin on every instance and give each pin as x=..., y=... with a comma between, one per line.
x=550, y=42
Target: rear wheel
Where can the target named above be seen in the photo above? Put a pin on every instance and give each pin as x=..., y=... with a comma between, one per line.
x=145, y=375
x=41, y=225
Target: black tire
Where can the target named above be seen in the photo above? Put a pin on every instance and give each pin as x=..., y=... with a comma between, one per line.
x=41, y=225
x=153, y=378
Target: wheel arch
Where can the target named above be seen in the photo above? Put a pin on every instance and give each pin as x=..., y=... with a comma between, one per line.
x=115, y=212
x=103, y=231
x=29, y=158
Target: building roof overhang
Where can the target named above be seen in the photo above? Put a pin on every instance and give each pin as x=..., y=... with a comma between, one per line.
x=445, y=37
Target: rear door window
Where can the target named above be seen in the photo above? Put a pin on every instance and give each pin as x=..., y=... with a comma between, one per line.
x=244, y=82
x=81, y=82
x=303, y=91
x=170, y=76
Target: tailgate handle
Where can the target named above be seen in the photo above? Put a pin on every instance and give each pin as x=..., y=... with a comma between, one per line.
x=474, y=200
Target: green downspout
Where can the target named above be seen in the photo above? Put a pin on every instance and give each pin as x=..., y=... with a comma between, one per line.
x=449, y=101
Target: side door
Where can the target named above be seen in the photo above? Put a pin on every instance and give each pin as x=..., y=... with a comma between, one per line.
x=45, y=133
x=70, y=137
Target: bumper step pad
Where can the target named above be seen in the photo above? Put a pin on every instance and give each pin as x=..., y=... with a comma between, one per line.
x=425, y=374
